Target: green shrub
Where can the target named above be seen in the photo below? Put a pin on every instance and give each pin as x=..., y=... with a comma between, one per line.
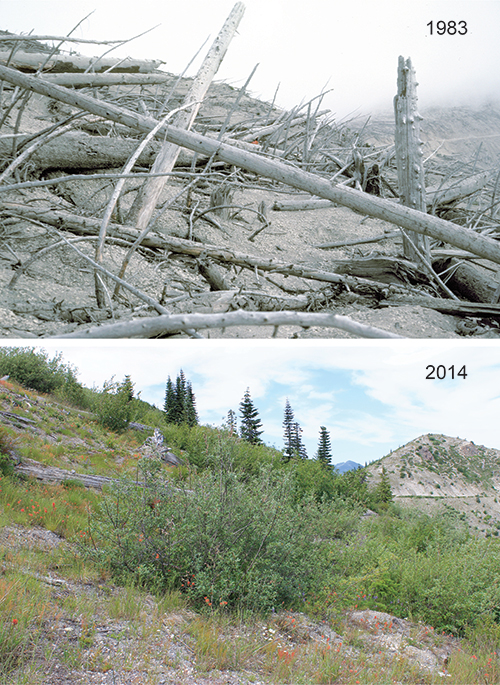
x=33, y=369
x=234, y=541
x=113, y=406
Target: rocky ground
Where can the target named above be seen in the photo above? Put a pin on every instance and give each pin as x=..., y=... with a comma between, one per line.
x=148, y=643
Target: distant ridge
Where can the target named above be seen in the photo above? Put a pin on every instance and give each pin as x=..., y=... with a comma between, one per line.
x=347, y=466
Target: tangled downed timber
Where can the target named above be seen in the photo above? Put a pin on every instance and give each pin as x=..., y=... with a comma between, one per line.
x=359, y=201
x=159, y=325
x=453, y=307
x=86, y=225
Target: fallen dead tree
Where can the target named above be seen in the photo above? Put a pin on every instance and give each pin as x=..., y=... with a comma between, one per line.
x=161, y=325
x=347, y=272
x=386, y=210
x=32, y=61
x=78, y=150
x=100, y=80
x=51, y=474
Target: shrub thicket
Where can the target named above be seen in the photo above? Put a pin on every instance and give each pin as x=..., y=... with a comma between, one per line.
x=233, y=541
x=34, y=370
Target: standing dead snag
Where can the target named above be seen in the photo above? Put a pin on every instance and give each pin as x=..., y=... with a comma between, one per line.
x=409, y=154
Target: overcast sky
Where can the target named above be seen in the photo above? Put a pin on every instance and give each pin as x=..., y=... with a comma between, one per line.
x=304, y=46
x=372, y=396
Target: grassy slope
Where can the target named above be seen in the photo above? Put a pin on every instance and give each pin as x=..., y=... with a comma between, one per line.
x=62, y=620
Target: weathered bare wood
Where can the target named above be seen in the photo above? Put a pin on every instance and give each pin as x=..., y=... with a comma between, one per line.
x=77, y=150
x=452, y=307
x=154, y=327
x=409, y=152
x=380, y=208
x=361, y=241
x=32, y=61
x=455, y=191
x=87, y=225
x=465, y=280
x=52, y=474
x=14, y=38
x=300, y=205
x=147, y=198
x=100, y=80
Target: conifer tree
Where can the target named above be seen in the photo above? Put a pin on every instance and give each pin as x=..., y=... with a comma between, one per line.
x=231, y=423
x=299, y=448
x=180, y=402
x=383, y=492
x=169, y=404
x=190, y=413
x=288, y=432
x=251, y=425
x=294, y=447
x=324, y=453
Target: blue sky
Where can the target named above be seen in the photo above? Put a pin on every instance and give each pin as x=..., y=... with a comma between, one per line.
x=304, y=47
x=372, y=396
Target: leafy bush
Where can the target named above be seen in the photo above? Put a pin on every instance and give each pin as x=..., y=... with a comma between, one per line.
x=427, y=568
x=113, y=406
x=231, y=542
x=33, y=369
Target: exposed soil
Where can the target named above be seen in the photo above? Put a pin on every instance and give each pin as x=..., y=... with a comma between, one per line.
x=56, y=294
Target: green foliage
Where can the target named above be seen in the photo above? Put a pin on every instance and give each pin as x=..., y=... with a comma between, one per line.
x=240, y=543
x=34, y=370
x=180, y=403
x=7, y=452
x=427, y=568
x=113, y=406
x=251, y=425
x=324, y=453
x=294, y=447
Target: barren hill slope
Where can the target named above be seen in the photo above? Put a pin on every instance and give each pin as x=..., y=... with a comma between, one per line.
x=433, y=472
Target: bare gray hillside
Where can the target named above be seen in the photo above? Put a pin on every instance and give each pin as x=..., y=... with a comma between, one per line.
x=437, y=472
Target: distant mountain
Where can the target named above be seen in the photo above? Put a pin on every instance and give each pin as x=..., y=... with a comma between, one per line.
x=347, y=466
x=436, y=473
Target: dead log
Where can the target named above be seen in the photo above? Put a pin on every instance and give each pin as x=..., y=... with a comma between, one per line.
x=78, y=150
x=452, y=307
x=382, y=270
x=161, y=325
x=451, y=192
x=32, y=61
x=409, y=153
x=380, y=208
x=87, y=225
x=300, y=205
x=214, y=276
x=51, y=474
x=361, y=241
x=465, y=280
x=100, y=80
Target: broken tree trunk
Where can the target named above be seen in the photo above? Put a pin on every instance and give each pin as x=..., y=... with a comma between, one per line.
x=465, y=280
x=380, y=208
x=147, y=198
x=32, y=61
x=77, y=150
x=409, y=154
x=455, y=191
x=100, y=80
